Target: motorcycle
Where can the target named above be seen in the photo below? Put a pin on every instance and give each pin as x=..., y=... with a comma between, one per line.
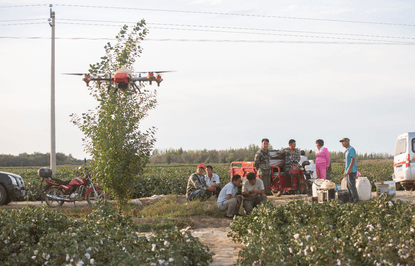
x=56, y=191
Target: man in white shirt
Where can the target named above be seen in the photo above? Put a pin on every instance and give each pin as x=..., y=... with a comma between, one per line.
x=227, y=200
x=303, y=158
x=212, y=180
x=253, y=192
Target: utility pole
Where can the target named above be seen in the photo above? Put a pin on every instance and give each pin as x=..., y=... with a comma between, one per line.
x=52, y=96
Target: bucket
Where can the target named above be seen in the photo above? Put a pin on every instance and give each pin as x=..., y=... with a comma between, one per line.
x=316, y=185
x=386, y=186
x=392, y=187
x=364, y=188
x=381, y=188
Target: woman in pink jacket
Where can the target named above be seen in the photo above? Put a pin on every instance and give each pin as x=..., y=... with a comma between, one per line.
x=322, y=159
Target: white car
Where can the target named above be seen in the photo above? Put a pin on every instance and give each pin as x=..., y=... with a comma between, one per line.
x=404, y=160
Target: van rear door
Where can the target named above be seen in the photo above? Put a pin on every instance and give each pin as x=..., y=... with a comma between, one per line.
x=404, y=156
x=401, y=151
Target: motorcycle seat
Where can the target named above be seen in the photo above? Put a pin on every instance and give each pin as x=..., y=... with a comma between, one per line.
x=61, y=182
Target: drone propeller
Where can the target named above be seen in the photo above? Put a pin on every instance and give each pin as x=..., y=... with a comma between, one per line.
x=76, y=74
x=164, y=71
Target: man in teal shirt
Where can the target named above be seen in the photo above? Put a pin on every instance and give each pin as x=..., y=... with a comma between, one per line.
x=350, y=171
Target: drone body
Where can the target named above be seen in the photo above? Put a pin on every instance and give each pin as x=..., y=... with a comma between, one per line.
x=123, y=79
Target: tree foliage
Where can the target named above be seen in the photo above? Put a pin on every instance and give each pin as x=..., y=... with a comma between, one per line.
x=119, y=149
x=181, y=156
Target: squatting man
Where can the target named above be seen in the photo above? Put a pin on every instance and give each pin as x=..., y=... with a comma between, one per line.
x=200, y=186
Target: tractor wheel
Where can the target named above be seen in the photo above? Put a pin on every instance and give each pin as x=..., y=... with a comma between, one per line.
x=277, y=193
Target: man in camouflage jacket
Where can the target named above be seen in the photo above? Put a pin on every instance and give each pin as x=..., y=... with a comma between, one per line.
x=292, y=157
x=262, y=164
x=196, y=185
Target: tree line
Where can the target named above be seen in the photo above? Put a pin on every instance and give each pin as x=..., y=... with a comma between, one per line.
x=180, y=156
x=37, y=159
x=176, y=156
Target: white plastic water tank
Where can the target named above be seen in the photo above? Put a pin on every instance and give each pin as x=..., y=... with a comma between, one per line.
x=364, y=188
x=316, y=185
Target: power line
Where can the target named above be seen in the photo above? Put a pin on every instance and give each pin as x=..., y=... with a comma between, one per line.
x=26, y=19
x=220, y=13
x=240, y=14
x=24, y=6
x=240, y=28
x=239, y=32
x=210, y=27
x=17, y=24
x=215, y=40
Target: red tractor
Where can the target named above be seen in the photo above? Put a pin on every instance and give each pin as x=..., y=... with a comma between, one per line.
x=292, y=181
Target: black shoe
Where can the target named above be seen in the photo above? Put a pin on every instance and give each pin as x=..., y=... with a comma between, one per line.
x=228, y=217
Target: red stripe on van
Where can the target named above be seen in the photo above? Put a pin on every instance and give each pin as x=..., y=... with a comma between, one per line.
x=396, y=164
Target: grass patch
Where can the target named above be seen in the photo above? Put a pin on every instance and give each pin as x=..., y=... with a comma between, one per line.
x=170, y=206
x=76, y=212
x=158, y=224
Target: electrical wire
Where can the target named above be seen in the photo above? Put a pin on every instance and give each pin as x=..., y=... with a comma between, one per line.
x=218, y=13
x=38, y=5
x=9, y=20
x=240, y=28
x=239, y=14
x=217, y=29
x=239, y=32
x=213, y=40
x=17, y=24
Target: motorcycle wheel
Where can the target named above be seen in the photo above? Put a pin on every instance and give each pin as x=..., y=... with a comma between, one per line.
x=56, y=192
x=92, y=198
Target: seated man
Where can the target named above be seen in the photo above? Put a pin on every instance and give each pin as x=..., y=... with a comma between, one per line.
x=227, y=200
x=196, y=185
x=212, y=180
x=253, y=192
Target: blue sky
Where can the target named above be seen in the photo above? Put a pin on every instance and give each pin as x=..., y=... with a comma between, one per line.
x=244, y=70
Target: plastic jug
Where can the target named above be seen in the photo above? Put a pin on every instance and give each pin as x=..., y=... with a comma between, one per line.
x=344, y=183
x=364, y=188
x=316, y=185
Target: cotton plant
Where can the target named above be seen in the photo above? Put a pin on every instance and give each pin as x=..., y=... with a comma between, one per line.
x=377, y=232
x=65, y=241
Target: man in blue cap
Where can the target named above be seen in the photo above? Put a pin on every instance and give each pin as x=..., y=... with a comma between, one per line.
x=350, y=171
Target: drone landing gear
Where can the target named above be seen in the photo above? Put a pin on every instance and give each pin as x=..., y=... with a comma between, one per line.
x=135, y=87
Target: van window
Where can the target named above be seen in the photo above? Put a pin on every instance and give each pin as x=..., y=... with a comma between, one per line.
x=413, y=145
x=401, y=147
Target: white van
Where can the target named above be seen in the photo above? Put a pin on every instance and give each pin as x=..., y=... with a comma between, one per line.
x=404, y=160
